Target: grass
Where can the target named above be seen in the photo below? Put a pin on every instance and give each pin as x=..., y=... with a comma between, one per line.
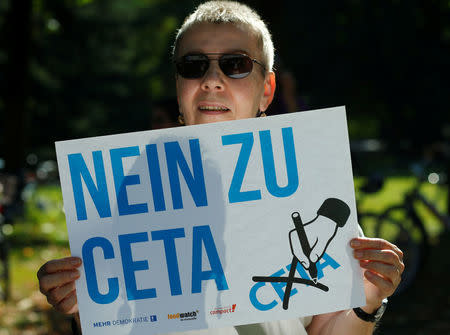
x=42, y=235
x=39, y=236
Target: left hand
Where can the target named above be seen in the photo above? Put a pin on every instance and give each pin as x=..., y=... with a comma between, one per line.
x=382, y=263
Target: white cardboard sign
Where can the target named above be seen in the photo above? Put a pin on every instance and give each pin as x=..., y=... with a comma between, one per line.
x=212, y=225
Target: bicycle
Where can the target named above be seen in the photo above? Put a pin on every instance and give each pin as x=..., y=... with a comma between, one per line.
x=402, y=225
x=409, y=230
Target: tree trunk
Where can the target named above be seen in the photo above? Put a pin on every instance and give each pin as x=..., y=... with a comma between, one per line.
x=16, y=94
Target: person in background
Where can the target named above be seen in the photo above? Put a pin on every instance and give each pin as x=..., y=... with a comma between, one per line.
x=224, y=57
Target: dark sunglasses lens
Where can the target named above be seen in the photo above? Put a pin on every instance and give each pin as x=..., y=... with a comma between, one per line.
x=193, y=66
x=236, y=66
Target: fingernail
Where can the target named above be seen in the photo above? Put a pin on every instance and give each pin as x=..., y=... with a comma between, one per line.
x=75, y=261
x=355, y=243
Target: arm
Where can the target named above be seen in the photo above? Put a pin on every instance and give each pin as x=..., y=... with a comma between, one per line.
x=382, y=263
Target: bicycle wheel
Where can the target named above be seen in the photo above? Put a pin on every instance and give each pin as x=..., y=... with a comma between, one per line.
x=398, y=226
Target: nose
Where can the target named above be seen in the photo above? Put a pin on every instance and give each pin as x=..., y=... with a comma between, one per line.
x=213, y=78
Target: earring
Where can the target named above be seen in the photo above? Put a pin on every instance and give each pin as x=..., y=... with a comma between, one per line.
x=181, y=119
x=261, y=114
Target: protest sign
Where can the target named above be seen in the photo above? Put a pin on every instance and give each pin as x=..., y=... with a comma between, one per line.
x=212, y=225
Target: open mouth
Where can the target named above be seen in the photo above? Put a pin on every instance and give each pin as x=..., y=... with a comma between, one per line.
x=213, y=109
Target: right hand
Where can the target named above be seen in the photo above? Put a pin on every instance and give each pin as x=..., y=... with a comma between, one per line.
x=57, y=282
x=319, y=233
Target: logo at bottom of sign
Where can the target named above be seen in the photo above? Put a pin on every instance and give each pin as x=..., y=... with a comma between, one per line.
x=125, y=321
x=223, y=310
x=187, y=316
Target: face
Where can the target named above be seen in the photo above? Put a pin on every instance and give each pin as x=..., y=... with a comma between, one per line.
x=216, y=97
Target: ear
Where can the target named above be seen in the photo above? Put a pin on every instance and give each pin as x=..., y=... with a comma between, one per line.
x=269, y=91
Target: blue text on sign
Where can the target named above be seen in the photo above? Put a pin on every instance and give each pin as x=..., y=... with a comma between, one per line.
x=95, y=181
x=201, y=237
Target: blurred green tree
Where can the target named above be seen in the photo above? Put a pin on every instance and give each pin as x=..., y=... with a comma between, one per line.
x=77, y=68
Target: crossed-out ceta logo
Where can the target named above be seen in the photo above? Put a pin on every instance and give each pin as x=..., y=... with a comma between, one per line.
x=308, y=245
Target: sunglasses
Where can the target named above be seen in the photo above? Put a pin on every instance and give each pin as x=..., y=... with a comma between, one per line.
x=234, y=66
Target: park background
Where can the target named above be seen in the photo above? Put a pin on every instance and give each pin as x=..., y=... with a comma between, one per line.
x=78, y=68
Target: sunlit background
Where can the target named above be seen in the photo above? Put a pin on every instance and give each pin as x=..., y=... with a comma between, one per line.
x=78, y=68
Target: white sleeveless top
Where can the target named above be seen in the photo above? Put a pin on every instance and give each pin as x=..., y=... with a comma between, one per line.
x=283, y=327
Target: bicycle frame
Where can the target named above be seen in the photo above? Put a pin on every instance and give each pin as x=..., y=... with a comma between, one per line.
x=417, y=196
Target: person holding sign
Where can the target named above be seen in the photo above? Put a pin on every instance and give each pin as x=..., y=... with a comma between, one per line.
x=223, y=54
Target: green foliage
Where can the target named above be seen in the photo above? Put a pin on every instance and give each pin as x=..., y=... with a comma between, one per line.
x=44, y=221
x=97, y=66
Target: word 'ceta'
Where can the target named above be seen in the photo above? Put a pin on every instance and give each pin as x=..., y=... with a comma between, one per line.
x=255, y=295
x=201, y=236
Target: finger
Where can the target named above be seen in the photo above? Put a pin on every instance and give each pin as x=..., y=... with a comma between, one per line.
x=56, y=265
x=387, y=271
x=58, y=294
x=301, y=257
x=385, y=256
x=304, y=261
x=318, y=250
x=69, y=304
x=385, y=286
x=51, y=281
x=319, y=246
x=374, y=243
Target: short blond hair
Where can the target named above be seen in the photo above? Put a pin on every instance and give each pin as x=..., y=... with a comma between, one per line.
x=235, y=13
